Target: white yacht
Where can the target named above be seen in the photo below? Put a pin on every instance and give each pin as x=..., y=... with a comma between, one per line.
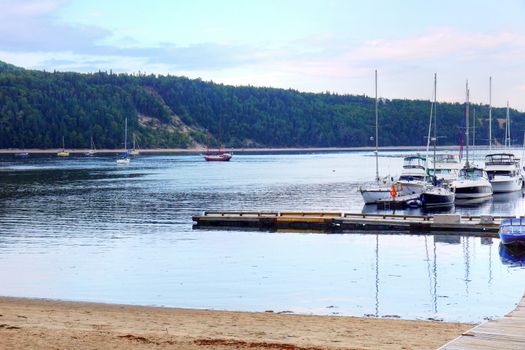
x=472, y=183
x=503, y=171
x=447, y=167
x=413, y=176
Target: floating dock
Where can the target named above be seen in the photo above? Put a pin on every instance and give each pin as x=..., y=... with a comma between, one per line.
x=339, y=222
x=505, y=332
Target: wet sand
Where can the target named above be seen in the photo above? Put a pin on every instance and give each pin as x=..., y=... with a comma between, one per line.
x=45, y=324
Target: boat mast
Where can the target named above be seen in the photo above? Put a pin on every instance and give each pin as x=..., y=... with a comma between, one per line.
x=466, y=121
x=377, y=131
x=507, y=128
x=63, y=144
x=474, y=129
x=126, y=134
x=430, y=121
x=435, y=121
x=490, y=112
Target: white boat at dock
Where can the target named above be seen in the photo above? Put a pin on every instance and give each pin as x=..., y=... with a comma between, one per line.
x=380, y=189
x=503, y=172
x=413, y=176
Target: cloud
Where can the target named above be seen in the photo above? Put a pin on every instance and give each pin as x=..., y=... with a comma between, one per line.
x=32, y=35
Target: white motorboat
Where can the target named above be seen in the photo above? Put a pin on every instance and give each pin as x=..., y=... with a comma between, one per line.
x=503, y=171
x=472, y=183
x=447, y=167
x=413, y=176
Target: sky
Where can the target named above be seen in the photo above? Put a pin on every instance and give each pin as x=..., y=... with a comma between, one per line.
x=313, y=46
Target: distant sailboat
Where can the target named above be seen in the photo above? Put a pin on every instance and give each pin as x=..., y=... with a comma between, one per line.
x=92, y=150
x=135, y=150
x=217, y=155
x=123, y=158
x=63, y=153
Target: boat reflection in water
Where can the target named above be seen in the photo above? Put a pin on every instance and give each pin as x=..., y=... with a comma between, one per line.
x=512, y=254
x=473, y=202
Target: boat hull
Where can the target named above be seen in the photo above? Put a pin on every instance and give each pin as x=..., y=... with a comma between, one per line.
x=506, y=185
x=124, y=161
x=512, y=231
x=374, y=195
x=466, y=192
x=218, y=157
x=437, y=200
x=406, y=188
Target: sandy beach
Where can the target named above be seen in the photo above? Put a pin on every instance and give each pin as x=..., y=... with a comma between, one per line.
x=46, y=324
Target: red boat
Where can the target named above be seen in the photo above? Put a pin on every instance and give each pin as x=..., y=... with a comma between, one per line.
x=217, y=156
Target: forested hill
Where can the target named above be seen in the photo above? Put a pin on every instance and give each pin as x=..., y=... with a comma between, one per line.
x=38, y=108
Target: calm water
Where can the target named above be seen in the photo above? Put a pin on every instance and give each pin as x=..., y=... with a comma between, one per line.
x=85, y=229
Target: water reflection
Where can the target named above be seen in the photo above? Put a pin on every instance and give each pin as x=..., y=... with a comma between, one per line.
x=512, y=254
x=84, y=229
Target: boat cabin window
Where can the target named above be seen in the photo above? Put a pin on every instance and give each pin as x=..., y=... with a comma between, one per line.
x=411, y=178
x=471, y=173
x=500, y=173
x=446, y=158
x=500, y=159
x=414, y=162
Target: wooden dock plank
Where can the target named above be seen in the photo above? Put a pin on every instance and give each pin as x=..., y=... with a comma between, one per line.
x=507, y=332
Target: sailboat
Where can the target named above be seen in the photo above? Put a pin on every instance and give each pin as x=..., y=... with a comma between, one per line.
x=91, y=151
x=123, y=158
x=380, y=190
x=435, y=196
x=217, y=155
x=63, y=153
x=135, y=150
x=472, y=182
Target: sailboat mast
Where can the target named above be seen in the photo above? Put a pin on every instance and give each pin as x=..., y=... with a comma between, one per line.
x=507, y=128
x=435, y=121
x=466, y=121
x=377, y=131
x=126, y=134
x=490, y=112
x=63, y=144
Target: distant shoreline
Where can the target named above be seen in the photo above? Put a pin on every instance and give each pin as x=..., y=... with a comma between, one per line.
x=234, y=150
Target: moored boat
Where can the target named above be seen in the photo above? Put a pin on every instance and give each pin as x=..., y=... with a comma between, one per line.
x=63, y=153
x=512, y=231
x=437, y=197
x=91, y=151
x=380, y=189
x=123, y=158
x=217, y=156
x=21, y=155
x=446, y=167
x=413, y=176
x=503, y=171
x=472, y=183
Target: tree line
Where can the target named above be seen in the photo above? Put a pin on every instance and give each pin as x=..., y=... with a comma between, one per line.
x=38, y=108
